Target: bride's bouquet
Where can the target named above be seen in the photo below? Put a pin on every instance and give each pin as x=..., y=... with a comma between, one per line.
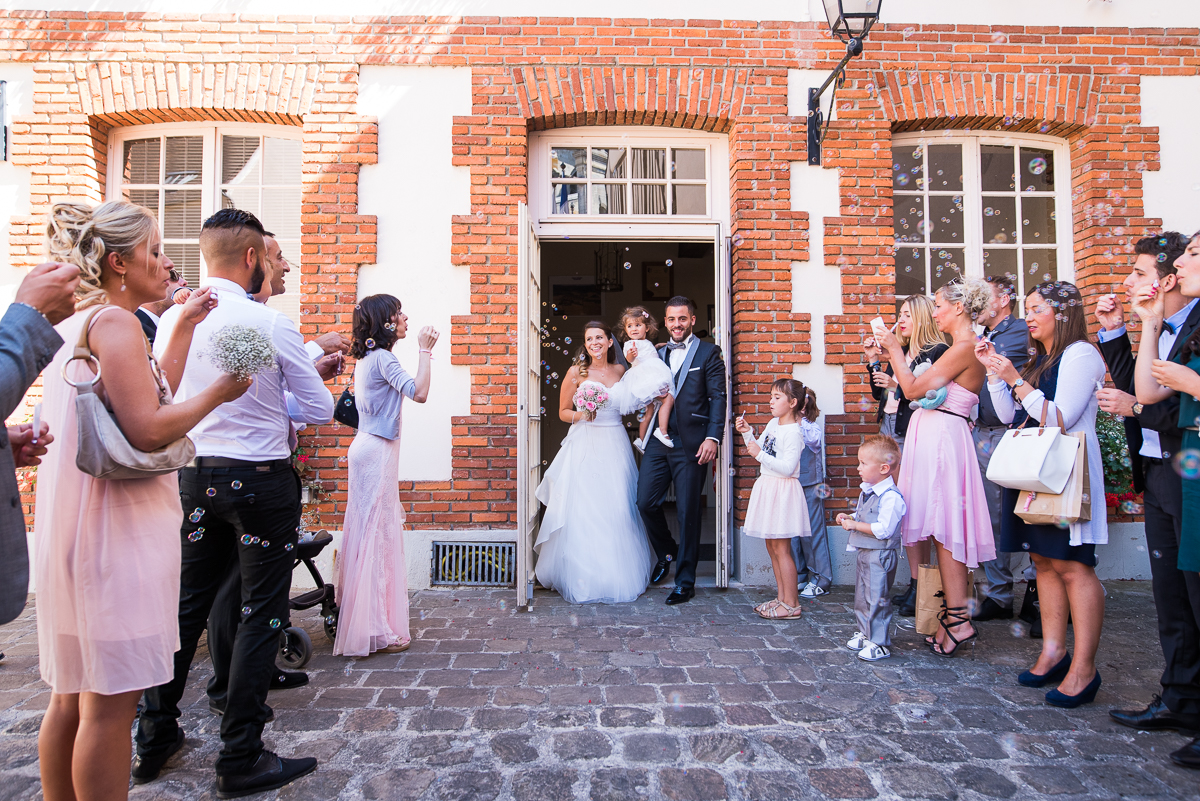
x=241, y=350
x=591, y=398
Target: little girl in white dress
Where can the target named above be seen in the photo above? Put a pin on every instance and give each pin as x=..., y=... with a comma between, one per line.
x=648, y=376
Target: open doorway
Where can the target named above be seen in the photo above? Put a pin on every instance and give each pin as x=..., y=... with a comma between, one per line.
x=577, y=286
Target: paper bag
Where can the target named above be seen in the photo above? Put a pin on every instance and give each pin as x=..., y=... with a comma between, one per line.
x=931, y=598
x=1042, y=508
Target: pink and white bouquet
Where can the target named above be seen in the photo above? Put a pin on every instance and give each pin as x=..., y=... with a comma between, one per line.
x=590, y=398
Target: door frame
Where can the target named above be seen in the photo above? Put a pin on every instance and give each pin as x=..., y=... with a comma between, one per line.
x=529, y=418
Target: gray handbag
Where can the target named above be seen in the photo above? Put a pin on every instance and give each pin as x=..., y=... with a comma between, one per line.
x=104, y=452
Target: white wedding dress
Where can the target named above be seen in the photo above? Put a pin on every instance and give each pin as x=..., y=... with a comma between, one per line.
x=592, y=547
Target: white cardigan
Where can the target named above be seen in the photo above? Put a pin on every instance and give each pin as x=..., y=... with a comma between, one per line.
x=1080, y=371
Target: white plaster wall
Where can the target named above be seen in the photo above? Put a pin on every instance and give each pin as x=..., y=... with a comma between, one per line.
x=414, y=190
x=1172, y=193
x=1086, y=13
x=14, y=181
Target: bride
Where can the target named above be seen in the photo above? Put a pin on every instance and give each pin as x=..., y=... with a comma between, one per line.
x=593, y=547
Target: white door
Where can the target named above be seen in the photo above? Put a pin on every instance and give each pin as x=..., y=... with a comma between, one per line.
x=724, y=479
x=529, y=417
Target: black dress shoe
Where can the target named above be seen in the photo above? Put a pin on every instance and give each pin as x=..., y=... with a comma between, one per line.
x=681, y=595
x=660, y=571
x=1188, y=756
x=1155, y=717
x=220, y=710
x=146, y=768
x=908, y=605
x=269, y=772
x=285, y=680
x=990, y=610
x=901, y=598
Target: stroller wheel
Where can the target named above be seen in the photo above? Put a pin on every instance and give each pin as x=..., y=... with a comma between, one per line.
x=295, y=647
x=330, y=625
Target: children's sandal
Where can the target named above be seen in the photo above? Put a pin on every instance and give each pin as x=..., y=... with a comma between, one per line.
x=781, y=612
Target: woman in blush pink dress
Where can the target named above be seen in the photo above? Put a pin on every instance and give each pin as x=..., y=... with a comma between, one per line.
x=106, y=552
x=939, y=474
x=372, y=576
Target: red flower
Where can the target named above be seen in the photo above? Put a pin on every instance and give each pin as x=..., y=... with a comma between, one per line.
x=1110, y=499
x=302, y=458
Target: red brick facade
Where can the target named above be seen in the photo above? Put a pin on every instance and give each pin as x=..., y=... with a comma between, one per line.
x=96, y=71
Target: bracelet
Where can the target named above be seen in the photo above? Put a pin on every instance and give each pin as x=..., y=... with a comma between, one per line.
x=26, y=305
x=425, y=350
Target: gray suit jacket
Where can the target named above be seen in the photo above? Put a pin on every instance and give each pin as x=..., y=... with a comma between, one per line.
x=27, y=344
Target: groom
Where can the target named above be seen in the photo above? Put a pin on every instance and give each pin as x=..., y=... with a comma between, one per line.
x=697, y=423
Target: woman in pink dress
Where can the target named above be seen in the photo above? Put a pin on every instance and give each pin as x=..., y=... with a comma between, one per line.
x=939, y=474
x=372, y=576
x=106, y=552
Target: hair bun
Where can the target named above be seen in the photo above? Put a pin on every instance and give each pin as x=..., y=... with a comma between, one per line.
x=974, y=294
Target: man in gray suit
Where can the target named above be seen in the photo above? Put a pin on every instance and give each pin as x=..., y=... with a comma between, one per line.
x=28, y=342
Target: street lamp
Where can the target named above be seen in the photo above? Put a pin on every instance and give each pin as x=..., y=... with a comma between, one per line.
x=850, y=21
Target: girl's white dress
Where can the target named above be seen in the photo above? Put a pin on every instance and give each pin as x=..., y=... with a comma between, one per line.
x=648, y=377
x=592, y=546
x=777, y=507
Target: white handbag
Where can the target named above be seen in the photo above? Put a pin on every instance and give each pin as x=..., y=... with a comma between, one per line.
x=1035, y=459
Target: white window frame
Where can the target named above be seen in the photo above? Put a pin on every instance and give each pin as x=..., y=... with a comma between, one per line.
x=210, y=191
x=972, y=193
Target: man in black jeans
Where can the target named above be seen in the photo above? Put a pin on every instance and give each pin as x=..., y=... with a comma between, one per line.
x=241, y=506
x=1154, y=438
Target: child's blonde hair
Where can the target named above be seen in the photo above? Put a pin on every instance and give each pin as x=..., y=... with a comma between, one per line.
x=884, y=447
x=636, y=312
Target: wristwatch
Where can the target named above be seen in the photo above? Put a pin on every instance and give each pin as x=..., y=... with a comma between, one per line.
x=1137, y=409
x=1020, y=382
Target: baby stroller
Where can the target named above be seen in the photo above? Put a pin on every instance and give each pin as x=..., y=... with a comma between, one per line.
x=295, y=647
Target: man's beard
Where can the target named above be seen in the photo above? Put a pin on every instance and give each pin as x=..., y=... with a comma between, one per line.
x=257, y=278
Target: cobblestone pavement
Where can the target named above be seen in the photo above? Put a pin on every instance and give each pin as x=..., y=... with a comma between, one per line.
x=699, y=701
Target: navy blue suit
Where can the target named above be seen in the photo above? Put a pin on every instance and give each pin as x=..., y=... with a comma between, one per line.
x=698, y=414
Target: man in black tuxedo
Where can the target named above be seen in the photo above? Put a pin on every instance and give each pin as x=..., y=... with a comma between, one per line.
x=149, y=314
x=696, y=427
x=1154, y=439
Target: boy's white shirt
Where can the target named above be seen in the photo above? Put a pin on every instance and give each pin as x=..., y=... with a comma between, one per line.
x=891, y=509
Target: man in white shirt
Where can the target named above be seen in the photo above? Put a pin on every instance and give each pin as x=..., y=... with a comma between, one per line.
x=241, y=500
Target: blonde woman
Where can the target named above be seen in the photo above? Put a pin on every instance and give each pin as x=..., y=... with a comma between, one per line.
x=921, y=342
x=107, y=552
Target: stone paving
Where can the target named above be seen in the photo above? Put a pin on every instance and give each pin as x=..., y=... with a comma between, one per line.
x=696, y=702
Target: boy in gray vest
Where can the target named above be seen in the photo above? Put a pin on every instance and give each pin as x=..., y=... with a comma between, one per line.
x=875, y=534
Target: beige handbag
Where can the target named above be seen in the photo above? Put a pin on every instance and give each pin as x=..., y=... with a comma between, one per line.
x=1044, y=508
x=104, y=452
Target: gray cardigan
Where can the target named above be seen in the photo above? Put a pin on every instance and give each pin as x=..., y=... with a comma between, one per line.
x=380, y=386
x=27, y=344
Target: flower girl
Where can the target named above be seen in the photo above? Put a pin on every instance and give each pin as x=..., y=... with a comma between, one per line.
x=777, y=510
x=648, y=376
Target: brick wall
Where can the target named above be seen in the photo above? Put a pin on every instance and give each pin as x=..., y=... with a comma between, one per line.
x=96, y=71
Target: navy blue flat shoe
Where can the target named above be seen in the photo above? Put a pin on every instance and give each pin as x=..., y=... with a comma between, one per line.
x=1055, y=698
x=1056, y=673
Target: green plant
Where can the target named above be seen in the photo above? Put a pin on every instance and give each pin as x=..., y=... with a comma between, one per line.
x=1114, y=451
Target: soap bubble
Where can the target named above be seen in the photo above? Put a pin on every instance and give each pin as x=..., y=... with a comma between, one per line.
x=370, y=343
x=1037, y=166
x=669, y=262
x=196, y=535
x=1156, y=554
x=824, y=491
x=567, y=340
x=196, y=515
x=210, y=492
x=1131, y=508
x=1187, y=463
x=676, y=699
x=289, y=547
x=246, y=611
x=737, y=240
x=247, y=539
x=236, y=485
x=628, y=265
x=266, y=543
x=1063, y=523
x=275, y=623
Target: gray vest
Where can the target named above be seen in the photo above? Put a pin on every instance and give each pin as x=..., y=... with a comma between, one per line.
x=867, y=511
x=811, y=471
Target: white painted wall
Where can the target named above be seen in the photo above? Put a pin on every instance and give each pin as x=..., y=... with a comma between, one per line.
x=1172, y=193
x=1086, y=13
x=414, y=190
x=14, y=181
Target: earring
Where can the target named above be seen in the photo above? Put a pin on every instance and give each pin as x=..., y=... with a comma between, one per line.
x=122, y=282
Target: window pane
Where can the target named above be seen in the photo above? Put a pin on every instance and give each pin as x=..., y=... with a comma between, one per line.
x=649, y=198
x=649, y=163
x=241, y=197
x=687, y=165
x=909, y=218
x=144, y=197
x=281, y=211
x=907, y=168
x=1037, y=225
x=141, y=164
x=181, y=214
x=240, y=159
x=186, y=256
x=946, y=264
x=999, y=220
x=945, y=168
x=282, y=162
x=688, y=199
x=1040, y=265
x=608, y=162
x=996, y=168
x=946, y=219
x=1001, y=261
x=185, y=159
x=570, y=199
x=568, y=162
x=608, y=199
x=910, y=271
x=1037, y=170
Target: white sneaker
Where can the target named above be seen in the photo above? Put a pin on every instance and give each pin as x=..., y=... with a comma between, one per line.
x=811, y=590
x=873, y=653
x=661, y=436
x=641, y=446
x=858, y=641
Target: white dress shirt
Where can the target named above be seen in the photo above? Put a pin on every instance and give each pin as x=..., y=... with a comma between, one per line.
x=891, y=508
x=254, y=427
x=675, y=356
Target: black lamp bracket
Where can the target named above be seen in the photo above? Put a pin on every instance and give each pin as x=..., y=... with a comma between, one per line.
x=818, y=124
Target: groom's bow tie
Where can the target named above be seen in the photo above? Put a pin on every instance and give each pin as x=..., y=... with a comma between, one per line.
x=676, y=345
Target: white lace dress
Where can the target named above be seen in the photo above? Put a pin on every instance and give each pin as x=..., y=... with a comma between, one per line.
x=592, y=547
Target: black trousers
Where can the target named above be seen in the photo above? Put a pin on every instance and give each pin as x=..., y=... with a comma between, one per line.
x=660, y=467
x=1176, y=592
x=249, y=518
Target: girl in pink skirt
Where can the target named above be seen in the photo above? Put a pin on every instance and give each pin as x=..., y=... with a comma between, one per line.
x=777, y=510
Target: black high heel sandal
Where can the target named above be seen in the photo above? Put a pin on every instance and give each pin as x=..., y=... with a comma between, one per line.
x=960, y=616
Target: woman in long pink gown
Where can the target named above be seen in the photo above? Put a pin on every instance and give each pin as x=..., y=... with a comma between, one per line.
x=939, y=474
x=372, y=577
x=106, y=552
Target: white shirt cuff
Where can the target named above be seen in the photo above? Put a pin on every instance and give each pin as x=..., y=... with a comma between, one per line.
x=1105, y=335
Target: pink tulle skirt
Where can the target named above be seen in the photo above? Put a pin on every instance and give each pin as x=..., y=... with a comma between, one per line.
x=777, y=510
